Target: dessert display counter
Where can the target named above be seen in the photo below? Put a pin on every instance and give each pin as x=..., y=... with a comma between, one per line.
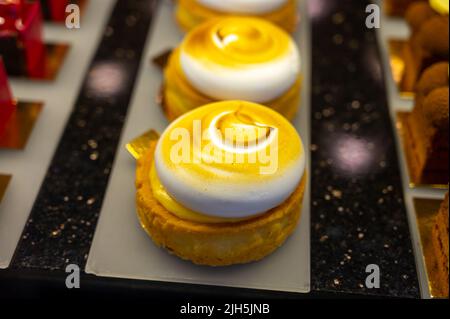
x=352, y=209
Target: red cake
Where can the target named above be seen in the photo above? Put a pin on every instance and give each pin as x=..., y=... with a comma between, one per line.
x=54, y=10
x=6, y=100
x=21, y=37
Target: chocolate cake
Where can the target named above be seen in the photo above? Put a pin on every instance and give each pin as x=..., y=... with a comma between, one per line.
x=428, y=44
x=426, y=128
x=398, y=7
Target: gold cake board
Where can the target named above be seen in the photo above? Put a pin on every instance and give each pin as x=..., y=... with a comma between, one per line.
x=397, y=63
x=20, y=125
x=55, y=54
x=4, y=181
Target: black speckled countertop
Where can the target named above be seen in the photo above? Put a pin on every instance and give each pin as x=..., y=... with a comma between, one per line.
x=358, y=211
x=358, y=216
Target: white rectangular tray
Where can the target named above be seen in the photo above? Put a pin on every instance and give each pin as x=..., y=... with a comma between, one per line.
x=122, y=249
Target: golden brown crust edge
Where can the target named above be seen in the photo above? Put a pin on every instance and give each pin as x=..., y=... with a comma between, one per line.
x=214, y=244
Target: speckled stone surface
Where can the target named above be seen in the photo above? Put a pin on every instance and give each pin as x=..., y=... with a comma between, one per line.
x=358, y=212
x=63, y=220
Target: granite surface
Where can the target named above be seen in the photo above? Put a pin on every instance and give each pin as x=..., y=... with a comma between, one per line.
x=358, y=215
x=62, y=222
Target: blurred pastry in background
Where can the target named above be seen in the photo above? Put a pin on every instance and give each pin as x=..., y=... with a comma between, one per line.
x=55, y=10
x=191, y=13
x=231, y=58
x=21, y=43
x=398, y=7
x=7, y=105
x=439, y=240
x=427, y=128
x=429, y=41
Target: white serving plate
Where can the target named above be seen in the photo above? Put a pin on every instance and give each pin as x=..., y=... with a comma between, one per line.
x=122, y=249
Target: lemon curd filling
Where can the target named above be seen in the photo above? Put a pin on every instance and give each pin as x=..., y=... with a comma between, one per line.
x=227, y=161
x=163, y=197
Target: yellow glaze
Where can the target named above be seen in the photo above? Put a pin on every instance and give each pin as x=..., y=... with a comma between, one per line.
x=181, y=97
x=235, y=42
x=441, y=6
x=237, y=138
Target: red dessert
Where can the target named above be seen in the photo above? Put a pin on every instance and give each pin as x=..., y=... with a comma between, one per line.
x=7, y=105
x=54, y=10
x=21, y=37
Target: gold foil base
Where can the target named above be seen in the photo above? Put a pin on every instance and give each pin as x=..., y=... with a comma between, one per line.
x=20, y=125
x=397, y=63
x=425, y=212
x=55, y=54
x=4, y=181
x=139, y=145
x=162, y=59
x=401, y=124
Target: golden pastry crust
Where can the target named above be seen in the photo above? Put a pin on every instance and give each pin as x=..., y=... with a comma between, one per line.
x=180, y=97
x=214, y=244
x=189, y=14
x=417, y=13
x=399, y=7
x=434, y=77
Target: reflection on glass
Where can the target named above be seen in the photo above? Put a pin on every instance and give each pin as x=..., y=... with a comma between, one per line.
x=106, y=80
x=353, y=155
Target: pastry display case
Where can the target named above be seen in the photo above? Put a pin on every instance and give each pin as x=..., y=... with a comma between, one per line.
x=249, y=149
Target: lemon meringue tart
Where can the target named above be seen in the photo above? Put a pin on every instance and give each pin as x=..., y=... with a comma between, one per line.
x=223, y=184
x=233, y=58
x=191, y=13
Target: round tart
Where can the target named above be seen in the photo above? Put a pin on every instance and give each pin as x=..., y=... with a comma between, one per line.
x=231, y=197
x=233, y=58
x=191, y=13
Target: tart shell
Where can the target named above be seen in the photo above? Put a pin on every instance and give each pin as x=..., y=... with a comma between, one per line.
x=214, y=244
